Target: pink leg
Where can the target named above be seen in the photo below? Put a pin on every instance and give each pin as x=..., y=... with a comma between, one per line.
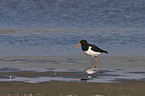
x=96, y=61
x=92, y=62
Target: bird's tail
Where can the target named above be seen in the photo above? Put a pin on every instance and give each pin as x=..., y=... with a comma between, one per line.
x=106, y=52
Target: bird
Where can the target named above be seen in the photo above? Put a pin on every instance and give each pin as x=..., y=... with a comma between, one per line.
x=91, y=50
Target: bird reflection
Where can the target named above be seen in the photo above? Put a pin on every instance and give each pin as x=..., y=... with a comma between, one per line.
x=91, y=70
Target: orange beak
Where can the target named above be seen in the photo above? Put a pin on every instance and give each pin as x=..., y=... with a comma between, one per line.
x=78, y=45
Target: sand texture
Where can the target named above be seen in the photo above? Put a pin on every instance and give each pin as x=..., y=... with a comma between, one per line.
x=55, y=88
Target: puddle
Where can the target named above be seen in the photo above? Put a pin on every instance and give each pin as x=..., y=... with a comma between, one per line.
x=113, y=75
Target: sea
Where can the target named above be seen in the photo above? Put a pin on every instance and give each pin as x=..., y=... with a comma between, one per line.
x=55, y=27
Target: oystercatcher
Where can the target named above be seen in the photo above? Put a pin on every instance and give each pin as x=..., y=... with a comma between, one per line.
x=91, y=50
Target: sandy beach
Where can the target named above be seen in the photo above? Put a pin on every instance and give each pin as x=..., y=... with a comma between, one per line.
x=55, y=88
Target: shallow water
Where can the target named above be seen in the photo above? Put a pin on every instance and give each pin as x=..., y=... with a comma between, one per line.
x=114, y=75
x=46, y=28
x=72, y=68
x=42, y=43
x=54, y=28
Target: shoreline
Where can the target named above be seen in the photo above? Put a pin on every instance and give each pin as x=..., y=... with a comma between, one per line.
x=128, y=69
x=111, y=68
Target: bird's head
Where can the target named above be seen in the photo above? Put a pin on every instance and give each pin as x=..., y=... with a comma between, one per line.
x=82, y=42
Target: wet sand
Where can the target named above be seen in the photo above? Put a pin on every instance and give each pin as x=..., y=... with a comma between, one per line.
x=79, y=62
x=72, y=67
x=112, y=67
x=55, y=88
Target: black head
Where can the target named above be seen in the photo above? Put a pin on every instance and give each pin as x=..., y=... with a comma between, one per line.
x=84, y=45
x=83, y=42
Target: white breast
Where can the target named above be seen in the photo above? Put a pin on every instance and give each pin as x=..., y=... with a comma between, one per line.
x=91, y=52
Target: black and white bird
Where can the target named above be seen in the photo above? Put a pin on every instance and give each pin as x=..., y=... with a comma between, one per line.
x=91, y=50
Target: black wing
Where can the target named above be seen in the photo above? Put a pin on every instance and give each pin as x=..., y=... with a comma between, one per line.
x=97, y=49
